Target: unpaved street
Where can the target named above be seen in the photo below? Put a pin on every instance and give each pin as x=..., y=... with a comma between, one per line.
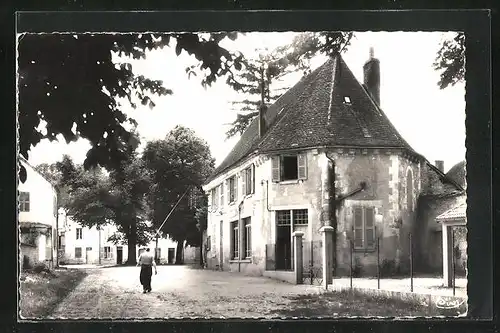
x=178, y=292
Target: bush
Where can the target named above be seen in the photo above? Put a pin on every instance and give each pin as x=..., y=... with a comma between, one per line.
x=27, y=263
x=41, y=267
x=388, y=268
x=357, y=269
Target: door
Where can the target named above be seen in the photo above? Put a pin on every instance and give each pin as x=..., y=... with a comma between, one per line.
x=88, y=255
x=119, y=255
x=284, y=247
x=221, y=249
x=171, y=255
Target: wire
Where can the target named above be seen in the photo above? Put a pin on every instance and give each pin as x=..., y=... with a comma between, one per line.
x=171, y=211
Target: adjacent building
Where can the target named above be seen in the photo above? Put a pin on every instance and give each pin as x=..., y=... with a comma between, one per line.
x=37, y=204
x=325, y=158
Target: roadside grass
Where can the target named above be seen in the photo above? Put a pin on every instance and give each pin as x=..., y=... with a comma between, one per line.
x=349, y=303
x=40, y=293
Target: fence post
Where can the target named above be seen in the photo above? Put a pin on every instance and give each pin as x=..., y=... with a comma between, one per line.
x=311, y=263
x=378, y=262
x=298, y=256
x=411, y=263
x=350, y=266
x=327, y=232
x=453, y=257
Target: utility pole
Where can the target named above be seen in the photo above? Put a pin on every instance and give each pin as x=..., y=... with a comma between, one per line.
x=166, y=218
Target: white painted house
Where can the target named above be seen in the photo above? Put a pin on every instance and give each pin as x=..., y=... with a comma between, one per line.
x=83, y=245
x=37, y=202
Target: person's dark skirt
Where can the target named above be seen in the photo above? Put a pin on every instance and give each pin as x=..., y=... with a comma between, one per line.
x=145, y=277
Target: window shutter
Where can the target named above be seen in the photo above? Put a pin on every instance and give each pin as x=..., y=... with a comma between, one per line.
x=358, y=227
x=252, y=170
x=235, y=188
x=222, y=195
x=369, y=227
x=302, y=166
x=243, y=175
x=275, y=162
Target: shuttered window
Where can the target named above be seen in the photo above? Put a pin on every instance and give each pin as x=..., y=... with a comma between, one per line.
x=289, y=167
x=221, y=192
x=364, y=228
x=248, y=180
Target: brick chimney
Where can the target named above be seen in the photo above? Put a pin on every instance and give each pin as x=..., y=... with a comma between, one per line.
x=440, y=165
x=371, y=71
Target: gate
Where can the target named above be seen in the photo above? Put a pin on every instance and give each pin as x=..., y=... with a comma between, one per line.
x=312, y=258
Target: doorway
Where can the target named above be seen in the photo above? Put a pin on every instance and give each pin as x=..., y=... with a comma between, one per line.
x=88, y=255
x=119, y=255
x=284, y=247
x=171, y=255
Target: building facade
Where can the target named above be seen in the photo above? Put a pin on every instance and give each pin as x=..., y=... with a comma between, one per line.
x=82, y=245
x=37, y=207
x=324, y=154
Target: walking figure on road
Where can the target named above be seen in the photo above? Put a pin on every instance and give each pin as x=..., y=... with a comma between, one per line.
x=146, y=260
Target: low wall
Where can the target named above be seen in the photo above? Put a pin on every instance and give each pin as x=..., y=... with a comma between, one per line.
x=287, y=276
x=31, y=253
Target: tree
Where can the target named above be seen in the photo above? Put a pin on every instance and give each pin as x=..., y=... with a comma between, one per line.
x=450, y=60
x=97, y=199
x=259, y=75
x=179, y=163
x=71, y=83
x=54, y=176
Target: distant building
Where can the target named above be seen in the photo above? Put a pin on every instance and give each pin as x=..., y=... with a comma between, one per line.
x=83, y=245
x=37, y=202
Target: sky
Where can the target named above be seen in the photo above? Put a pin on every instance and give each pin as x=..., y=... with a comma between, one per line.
x=431, y=120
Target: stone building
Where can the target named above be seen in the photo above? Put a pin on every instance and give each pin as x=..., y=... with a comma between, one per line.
x=37, y=204
x=326, y=161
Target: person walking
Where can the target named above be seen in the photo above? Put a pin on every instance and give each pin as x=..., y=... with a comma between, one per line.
x=146, y=260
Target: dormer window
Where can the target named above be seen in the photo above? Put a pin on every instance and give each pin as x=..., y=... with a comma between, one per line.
x=347, y=100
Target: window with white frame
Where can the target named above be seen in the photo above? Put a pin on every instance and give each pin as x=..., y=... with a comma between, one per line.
x=107, y=252
x=292, y=217
x=289, y=167
x=300, y=216
x=215, y=198
x=233, y=189
x=235, y=235
x=79, y=233
x=24, y=201
x=364, y=228
x=248, y=180
x=247, y=222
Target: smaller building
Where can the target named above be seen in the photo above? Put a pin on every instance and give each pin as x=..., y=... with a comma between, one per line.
x=82, y=245
x=37, y=202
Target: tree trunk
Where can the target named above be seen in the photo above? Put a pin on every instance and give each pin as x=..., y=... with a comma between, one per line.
x=132, y=243
x=201, y=249
x=179, y=253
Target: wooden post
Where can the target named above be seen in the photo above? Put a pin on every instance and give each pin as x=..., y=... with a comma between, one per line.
x=378, y=262
x=411, y=264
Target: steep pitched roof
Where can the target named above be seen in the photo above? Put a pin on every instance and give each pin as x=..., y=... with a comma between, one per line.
x=313, y=113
